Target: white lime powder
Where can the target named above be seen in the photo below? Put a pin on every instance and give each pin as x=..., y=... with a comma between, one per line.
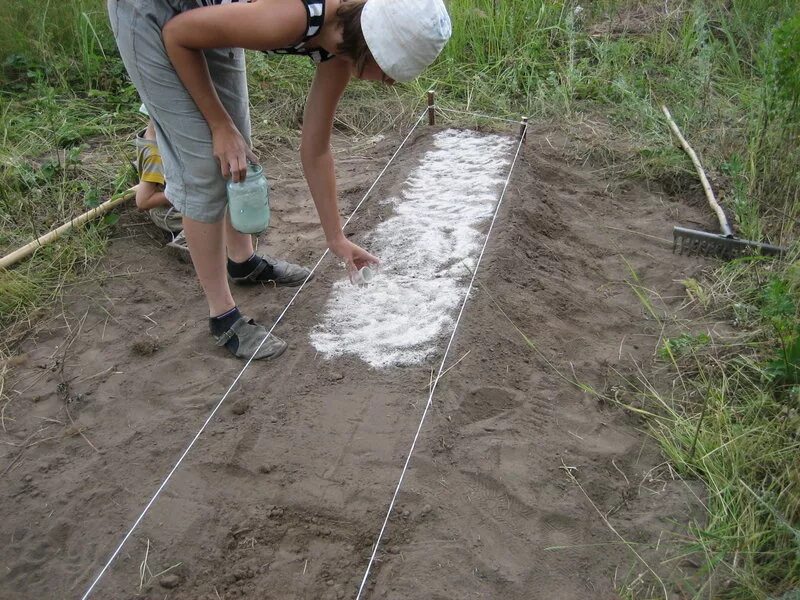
x=425, y=248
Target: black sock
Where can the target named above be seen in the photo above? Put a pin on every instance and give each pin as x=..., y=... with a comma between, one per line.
x=221, y=323
x=243, y=269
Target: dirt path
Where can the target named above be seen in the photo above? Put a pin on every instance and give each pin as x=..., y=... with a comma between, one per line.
x=284, y=494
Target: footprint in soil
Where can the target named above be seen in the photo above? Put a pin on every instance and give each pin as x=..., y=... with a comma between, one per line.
x=240, y=407
x=486, y=402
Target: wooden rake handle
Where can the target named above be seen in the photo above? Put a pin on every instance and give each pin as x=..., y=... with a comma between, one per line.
x=712, y=200
x=31, y=247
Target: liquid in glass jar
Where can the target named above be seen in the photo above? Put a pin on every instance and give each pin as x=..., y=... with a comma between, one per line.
x=248, y=201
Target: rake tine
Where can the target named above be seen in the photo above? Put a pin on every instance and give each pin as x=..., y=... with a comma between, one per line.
x=724, y=244
x=693, y=242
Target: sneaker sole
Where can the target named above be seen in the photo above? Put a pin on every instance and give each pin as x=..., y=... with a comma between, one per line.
x=179, y=252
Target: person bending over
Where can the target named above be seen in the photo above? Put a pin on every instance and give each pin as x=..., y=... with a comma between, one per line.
x=186, y=59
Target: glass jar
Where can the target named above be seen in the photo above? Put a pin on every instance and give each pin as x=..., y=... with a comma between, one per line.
x=363, y=277
x=248, y=201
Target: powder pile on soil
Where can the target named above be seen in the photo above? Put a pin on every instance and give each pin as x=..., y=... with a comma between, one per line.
x=427, y=246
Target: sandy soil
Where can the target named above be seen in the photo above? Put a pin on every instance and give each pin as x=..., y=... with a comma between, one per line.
x=284, y=494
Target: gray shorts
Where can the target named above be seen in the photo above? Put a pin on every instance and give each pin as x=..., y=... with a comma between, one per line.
x=195, y=185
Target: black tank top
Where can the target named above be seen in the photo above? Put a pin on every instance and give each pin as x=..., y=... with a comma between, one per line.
x=315, y=17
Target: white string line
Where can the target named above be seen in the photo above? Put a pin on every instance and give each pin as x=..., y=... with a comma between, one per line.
x=474, y=114
x=244, y=368
x=441, y=367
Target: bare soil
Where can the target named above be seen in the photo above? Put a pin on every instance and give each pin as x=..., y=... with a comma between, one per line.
x=284, y=494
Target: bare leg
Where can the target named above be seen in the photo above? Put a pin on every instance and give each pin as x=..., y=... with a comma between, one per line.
x=207, y=247
x=150, y=132
x=239, y=245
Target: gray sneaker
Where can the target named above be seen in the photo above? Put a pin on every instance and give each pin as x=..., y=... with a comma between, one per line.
x=179, y=247
x=166, y=218
x=246, y=338
x=275, y=271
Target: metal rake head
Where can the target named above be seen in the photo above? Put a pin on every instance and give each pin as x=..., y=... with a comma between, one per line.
x=702, y=243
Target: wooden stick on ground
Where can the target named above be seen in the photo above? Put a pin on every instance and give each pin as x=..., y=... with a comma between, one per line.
x=30, y=248
x=523, y=128
x=712, y=200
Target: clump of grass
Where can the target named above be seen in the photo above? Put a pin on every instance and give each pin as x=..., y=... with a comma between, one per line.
x=731, y=418
x=53, y=168
x=26, y=291
x=67, y=43
x=62, y=144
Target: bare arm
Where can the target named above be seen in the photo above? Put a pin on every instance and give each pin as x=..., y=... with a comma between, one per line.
x=262, y=24
x=149, y=195
x=329, y=84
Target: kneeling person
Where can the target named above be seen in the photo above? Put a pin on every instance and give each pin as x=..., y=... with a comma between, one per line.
x=150, y=195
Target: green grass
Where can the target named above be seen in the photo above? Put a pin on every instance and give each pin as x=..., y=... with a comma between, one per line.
x=726, y=410
x=727, y=69
x=68, y=43
x=60, y=156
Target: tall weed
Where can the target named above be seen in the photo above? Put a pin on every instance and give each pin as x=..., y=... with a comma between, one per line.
x=68, y=43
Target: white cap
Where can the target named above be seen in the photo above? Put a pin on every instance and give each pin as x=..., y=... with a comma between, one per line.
x=405, y=36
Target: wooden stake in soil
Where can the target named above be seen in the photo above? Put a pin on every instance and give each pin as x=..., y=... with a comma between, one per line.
x=431, y=108
x=523, y=128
